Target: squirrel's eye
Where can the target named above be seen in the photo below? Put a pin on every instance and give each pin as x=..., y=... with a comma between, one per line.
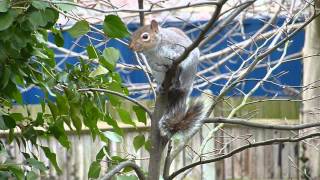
x=145, y=36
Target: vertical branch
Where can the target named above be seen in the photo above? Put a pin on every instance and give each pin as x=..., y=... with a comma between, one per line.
x=167, y=162
x=141, y=14
x=158, y=142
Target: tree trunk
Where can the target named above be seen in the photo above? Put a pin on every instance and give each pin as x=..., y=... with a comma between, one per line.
x=310, y=159
x=158, y=143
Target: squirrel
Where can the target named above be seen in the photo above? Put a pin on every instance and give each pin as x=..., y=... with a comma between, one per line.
x=161, y=47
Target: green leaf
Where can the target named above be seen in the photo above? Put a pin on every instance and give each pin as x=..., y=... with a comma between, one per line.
x=31, y=175
x=16, y=116
x=76, y=118
x=101, y=153
x=141, y=114
x=53, y=109
x=65, y=7
x=37, y=164
x=126, y=177
x=11, y=136
x=8, y=121
x=17, y=172
x=92, y=52
x=58, y=37
x=62, y=104
x=80, y=28
x=57, y=129
x=116, y=77
x=113, y=27
x=147, y=145
x=12, y=90
x=100, y=70
x=40, y=4
x=5, y=77
x=91, y=114
x=29, y=133
x=39, y=120
x=125, y=117
x=6, y=19
x=117, y=159
x=106, y=118
x=110, y=57
x=4, y=5
x=138, y=142
x=37, y=18
x=113, y=136
x=52, y=157
x=37, y=52
x=94, y=170
x=114, y=100
x=103, y=138
x=17, y=96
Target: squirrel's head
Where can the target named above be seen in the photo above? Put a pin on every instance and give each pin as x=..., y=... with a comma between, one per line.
x=145, y=38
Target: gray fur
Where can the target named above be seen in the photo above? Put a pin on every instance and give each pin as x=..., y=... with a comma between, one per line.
x=171, y=43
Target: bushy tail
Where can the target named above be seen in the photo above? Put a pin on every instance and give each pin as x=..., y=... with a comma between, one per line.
x=183, y=118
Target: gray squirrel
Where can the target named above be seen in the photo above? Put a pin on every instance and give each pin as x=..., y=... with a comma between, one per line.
x=162, y=46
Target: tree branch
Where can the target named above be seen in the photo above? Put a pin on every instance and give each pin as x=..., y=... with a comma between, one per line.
x=222, y=25
x=242, y=148
x=259, y=58
x=171, y=73
x=141, y=14
x=150, y=10
x=167, y=162
x=243, y=122
x=158, y=142
x=202, y=35
x=117, y=94
x=122, y=165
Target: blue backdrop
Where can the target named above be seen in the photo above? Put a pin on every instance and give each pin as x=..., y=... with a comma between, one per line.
x=292, y=71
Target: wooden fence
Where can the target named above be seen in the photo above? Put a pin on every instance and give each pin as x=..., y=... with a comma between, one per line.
x=278, y=161
x=269, y=162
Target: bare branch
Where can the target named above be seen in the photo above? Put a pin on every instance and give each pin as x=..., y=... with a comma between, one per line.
x=167, y=162
x=261, y=57
x=222, y=25
x=242, y=148
x=141, y=14
x=122, y=165
x=213, y=19
x=171, y=72
x=150, y=10
x=243, y=122
x=117, y=94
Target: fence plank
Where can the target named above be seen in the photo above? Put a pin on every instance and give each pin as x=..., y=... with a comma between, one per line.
x=269, y=162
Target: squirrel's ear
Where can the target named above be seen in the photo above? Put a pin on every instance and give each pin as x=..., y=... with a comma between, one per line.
x=154, y=26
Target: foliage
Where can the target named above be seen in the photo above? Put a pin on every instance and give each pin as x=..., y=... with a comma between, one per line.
x=27, y=61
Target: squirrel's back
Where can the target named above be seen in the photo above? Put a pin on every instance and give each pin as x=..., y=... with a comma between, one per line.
x=175, y=36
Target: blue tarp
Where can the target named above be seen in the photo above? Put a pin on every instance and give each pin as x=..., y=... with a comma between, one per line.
x=292, y=75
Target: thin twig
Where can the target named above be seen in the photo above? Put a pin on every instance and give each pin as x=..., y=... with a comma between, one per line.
x=150, y=10
x=167, y=163
x=242, y=148
x=117, y=94
x=141, y=14
x=244, y=122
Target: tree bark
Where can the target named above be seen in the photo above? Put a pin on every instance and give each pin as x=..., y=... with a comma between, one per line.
x=158, y=143
x=310, y=157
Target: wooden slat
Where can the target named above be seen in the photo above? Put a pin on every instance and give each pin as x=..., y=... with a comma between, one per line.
x=255, y=163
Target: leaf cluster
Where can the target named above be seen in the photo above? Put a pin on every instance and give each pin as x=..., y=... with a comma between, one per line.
x=26, y=61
